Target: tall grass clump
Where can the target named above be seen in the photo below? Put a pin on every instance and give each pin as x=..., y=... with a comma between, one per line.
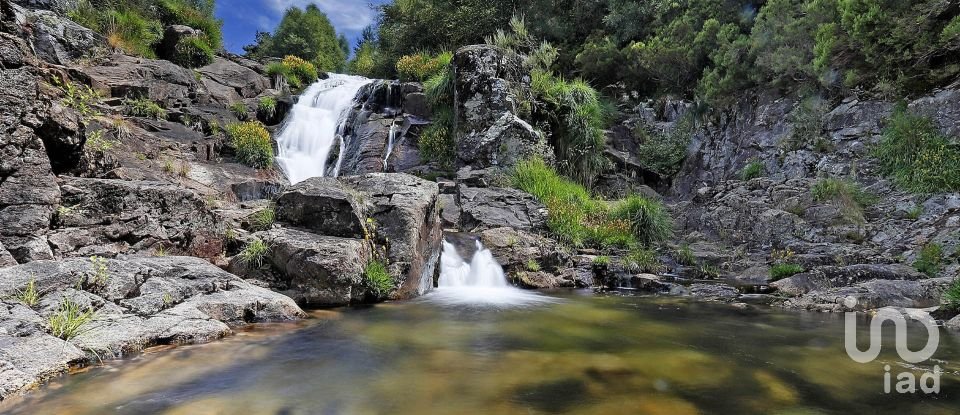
x=847, y=195
x=917, y=156
x=421, y=66
x=649, y=220
x=29, y=295
x=144, y=107
x=254, y=253
x=69, y=319
x=252, y=144
x=930, y=259
x=437, y=142
x=296, y=72
x=377, y=279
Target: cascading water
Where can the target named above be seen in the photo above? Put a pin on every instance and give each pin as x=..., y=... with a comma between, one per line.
x=480, y=281
x=393, y=135
x=315, y=125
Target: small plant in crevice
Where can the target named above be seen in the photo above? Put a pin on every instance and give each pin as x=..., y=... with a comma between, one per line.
x=685, y=256
x=846, y=195
x=263, y=219
x=144, y=107
x=239, y=110
x=951, y=297
x=267, y=107
x=753, y=170
x=533, y=266
x=915, y=213
x=69, y=320
x=99, y=274
x=97, y=142
x=81, y=98
x=254, y=253
x=601, y=261
x=785, y=270
x=29, y=295
x=708, y=271
x=184, y=170
x=161, y=251
x=641, y=260
x=930, y=259
x=377, y=278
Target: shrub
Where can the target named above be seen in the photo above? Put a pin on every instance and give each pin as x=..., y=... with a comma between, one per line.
x=267, y=107
x=239, y=110
x=281, y=74
x=254, y=253
x=28, y=296
x=917, y=156
x=263, y=219
x=664, y=152
x=601, y=261
x=420, y=66
x=930, y=259
x=144, y=107
x=785, y=270
x=69, y=320
x=377, y=279
x=437, y=144
x=192, y=52
x=951, y=297
x=649, y=219
x=752, y=171
x=533, y=265
x=846, y=195
x=252, y=144
x=79, y=97
x=295, y=71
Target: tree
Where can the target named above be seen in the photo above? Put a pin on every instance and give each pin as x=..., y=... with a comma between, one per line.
x=306, y=33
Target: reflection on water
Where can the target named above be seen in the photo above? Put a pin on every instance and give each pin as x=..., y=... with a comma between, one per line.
x=584, y=354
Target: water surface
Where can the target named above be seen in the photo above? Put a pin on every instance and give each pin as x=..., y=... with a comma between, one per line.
x=579, y=354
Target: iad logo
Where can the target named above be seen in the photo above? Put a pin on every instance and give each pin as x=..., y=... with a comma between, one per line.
x=906, y=381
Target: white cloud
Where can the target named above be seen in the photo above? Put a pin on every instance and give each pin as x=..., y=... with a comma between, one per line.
x=345, y=15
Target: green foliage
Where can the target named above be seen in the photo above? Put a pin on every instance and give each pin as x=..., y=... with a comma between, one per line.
x=533, y=265
x=753, y=170
x=252, y=144
x=306, y=33
x=144, y=107
x=807, y=122
x=69, y=320
x=267, y=107
x=28, y=296
x=293, y=70
x=79, y=97
x=601, y=261
x=643, y=260
x=364, y=60
x=192, y=52
x=254, y=253
x=930, y=259
x=847, y=195
x=915, y=213
x=664, y=152
x=649, y=219
x=97, y=142
x=951, y=297
x=421, y=66
x=263, y=219
x=684, y=256
x=917, y=156
x=99, y=275
x=785, y=270
x=436, y=144
x=239, y=110
x=377, y=279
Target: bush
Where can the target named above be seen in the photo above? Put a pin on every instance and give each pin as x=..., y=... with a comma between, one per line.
x=420, y=66
x=252, y=144
x=69, y=320
x=917, y=156
x=533, y=265
x=377, y=279
x=649, y=219
x=192, y=52
x=664, y=152
x=930, y=259
x=254, y=254
x=437, y=144
x=143, y=107
x=951, y=297
x=846, y=195
x=295, y=71
x=752, y=171
x=781, y=271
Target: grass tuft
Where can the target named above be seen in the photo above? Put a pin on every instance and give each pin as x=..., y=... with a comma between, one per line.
x=378, y=279
x=785, y=270
x=28, y=296
x=847, y=195
x=254, y=254
x=917, y=156
x=930, y=259
x=69, y=320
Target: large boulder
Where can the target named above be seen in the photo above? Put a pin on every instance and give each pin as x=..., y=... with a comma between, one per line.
x=57, y=39
x=504, y=143
x=136, y=303
x=874, y=294
x=159, y=80
x=243, y=81
x=487, y=208
x=530, y=260
x=325, y=206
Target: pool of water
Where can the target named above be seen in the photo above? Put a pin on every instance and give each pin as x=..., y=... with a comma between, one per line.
x=580, y=353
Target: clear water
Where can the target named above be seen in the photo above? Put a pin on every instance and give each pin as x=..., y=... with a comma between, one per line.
x=315, y=125
x=581, y=354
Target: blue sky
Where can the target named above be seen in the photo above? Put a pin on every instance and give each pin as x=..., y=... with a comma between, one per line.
x=243, y=18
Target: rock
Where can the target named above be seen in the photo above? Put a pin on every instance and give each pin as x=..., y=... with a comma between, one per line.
x=63, y=136
x=518, y=251
x=415, y=103
x=802, y=283
x=404, y=211
x=953, y=324
x=874, y=294
x=6, y=260
x=55, y=38
x=325, y=206
x=172, y=36
x=504, y=143
x=245, y=82
x=487, y=208
x=714, y=292
x=319, y=270
x=256, y=189
x=158, y=80
x=143, y=302
x=107, y=217
x=59, y=6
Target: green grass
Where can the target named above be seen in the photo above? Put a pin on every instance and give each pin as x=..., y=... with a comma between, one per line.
x=847, y=195
x=28, y=296
x=192, y=52
x=239, y=110
x=752, y=171
x=267, y=107
x=930, y=259
x=649, y=219
x=436, y=144
x=296, y=72
x=785, y=270
x=252, y=144
x=144, y=107
x=642, y=260
x=69, y=320
x=684, y=256
x=601, y=261
x=951, y=297
x=917, y=156
x=254, y=253
x=377, y=279
x=915, y=213
x=533, y=265
x=263, y=219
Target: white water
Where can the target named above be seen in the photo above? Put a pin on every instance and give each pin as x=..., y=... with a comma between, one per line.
x=481, y=281
x=393, y=134
x=314, y=125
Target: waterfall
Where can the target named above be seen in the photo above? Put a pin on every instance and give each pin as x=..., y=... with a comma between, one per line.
x=315, y=125
x=480, y=281
x=393, y=134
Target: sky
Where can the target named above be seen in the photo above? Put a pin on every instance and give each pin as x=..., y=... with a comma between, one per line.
x=243, y=18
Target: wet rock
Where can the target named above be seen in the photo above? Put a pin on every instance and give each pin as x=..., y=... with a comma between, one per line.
x=487, y=208
x=520, y=251
x=713, y=292
x=325, y=206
